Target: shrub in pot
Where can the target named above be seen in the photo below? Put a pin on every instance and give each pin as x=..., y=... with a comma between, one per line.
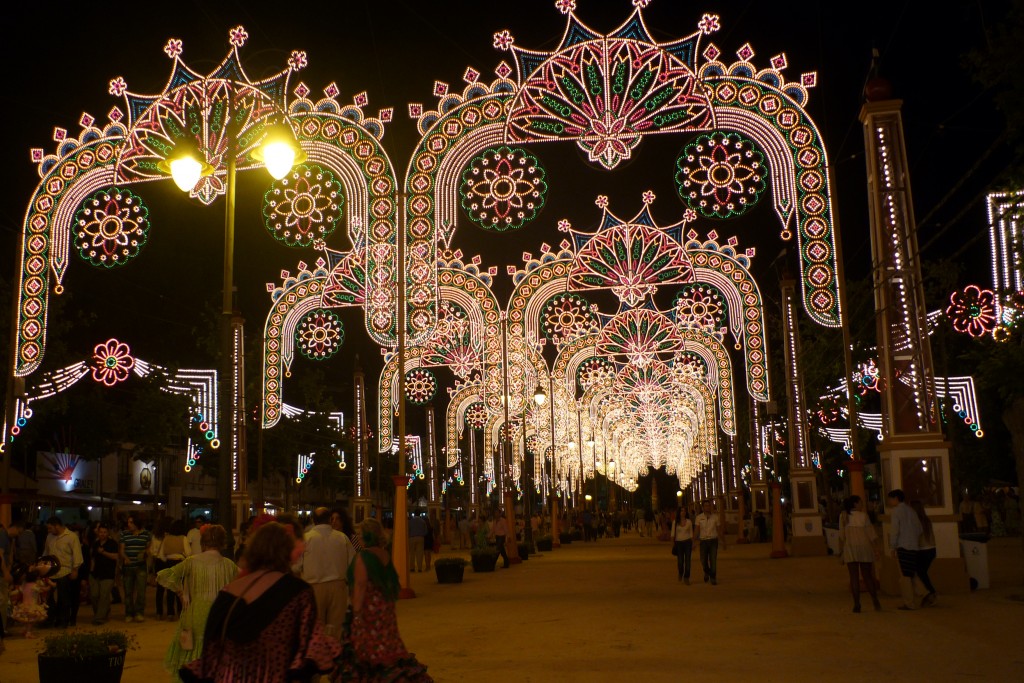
x=84, y=656
x=544, y=543
x=483, y=556
x=524, y=551
x=449, y=569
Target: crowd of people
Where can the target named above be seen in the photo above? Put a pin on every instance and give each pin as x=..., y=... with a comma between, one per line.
x=293, y=602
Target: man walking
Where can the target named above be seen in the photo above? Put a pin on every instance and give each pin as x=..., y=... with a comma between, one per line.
x=325, y=564
x=193, y=546
x=134, y=544
x=63, y=544
x=417, y=532
x=708, y=533
x=104, y=555
x=22, y=546
x=904, y=542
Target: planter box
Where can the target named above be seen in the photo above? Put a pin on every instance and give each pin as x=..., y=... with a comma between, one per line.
x=565, y=539
x=524, y=551
x=449, y=573
x=544, y=545
x=484, y=562
x=104, y=669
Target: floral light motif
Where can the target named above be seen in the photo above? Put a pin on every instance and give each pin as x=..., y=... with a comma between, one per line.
x=721, y=175
x=111, y=362
x=566, y=317
x=303, y=206
x=476, y=415
x=639, y=334
x=320, y=335
x=503, y=189
x=606, y=94
x=700, y=307
x=113, y=226
x=828, y=410
x=972, y=311
x=594, y=370
x=452, y=344
x=420, y=386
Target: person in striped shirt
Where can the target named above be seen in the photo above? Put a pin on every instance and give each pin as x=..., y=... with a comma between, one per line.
x=134, y=545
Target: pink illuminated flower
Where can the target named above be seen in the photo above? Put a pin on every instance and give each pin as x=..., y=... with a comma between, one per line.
x=641, y=4
x=648, y=197
x=111, y=362
x=566, y=6
x=972, y=311
x=238, y=36
x=689, y=215
x=173, y=48
x=298, y=60
x=564, y=225
x=601, y=202
x=503, y=40
x=708, y=24
x=117, y=87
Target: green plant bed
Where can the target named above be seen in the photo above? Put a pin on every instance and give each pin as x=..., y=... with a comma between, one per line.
x=84, y=656
x=449, y=569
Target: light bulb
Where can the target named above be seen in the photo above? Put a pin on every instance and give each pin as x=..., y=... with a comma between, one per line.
x=278, y=157
x=186, y=172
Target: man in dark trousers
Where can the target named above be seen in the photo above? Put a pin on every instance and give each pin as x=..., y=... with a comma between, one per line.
x=500, y=532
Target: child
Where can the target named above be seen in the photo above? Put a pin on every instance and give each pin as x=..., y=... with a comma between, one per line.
x=32, y=585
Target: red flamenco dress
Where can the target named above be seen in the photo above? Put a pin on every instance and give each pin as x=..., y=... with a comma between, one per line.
x=373, y=649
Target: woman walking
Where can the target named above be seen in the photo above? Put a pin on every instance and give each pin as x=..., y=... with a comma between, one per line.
x=858, y=538
x=262, y=626
x=374, y=650
x=925, y=552
x=198, y=580
x=682, y=540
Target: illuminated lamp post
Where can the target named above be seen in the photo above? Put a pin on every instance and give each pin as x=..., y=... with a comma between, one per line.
x=593, y=452
x=539, y=397
x=185, y=164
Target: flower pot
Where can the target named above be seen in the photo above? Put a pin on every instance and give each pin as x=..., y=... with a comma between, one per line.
x=565, y=538
x=524, y=551
x=449, y=573
x=101, y=669
x=544, y=545
x=484, y=562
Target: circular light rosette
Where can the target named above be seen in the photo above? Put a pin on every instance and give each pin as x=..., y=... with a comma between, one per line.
x=304, y=206
x=320, y=335
x=721, y=175
x=420, y=386
x=111, y=227
x=503, y=189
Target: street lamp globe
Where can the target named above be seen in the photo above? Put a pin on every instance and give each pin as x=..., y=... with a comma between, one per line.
x=185, y=164
x=279, y=151
x=539, y=397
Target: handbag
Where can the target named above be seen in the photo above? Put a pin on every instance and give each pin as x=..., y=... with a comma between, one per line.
x=675, y=548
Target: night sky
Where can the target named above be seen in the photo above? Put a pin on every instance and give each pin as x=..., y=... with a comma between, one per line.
x=60, y=59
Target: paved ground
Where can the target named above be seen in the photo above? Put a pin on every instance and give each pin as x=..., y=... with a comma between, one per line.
x=613, y=611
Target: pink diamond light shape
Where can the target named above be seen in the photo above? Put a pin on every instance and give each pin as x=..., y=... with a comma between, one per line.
x=37, y=154
x=492, y=271
x=386, y=115
x=809, y=80
x=86, y=120
x=733, y=241
x=361, y=100
x=59, y=134
x=331, y=90
x=503, y=70
x=713, y=235
x=711, y=53
x=415, y=110
x=440, y=89
x=779, y=62
x=745, y=52
x=301, y=91
x=115, y=114
x=471, y=75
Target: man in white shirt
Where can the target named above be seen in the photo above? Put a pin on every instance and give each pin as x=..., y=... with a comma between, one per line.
x=63, y=544
x=708, y=533
x=325, y=564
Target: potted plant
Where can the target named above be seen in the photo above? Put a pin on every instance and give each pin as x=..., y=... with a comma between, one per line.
x=483, y=556
x=449, y=569
x=524, y=550
x=544, y=543
x=84, y=656
x=565, y=538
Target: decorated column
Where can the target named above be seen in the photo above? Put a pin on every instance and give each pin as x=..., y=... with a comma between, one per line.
x=400, y=536
x=240, y=503
x=807, y=533
x=915, y=458
x=362, y=503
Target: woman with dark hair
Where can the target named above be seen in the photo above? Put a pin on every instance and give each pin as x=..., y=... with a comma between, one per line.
x=374, y=650
x=858, y=538
x=263, y=626
x=197, y=580
x=925, y=552
x=682, y=539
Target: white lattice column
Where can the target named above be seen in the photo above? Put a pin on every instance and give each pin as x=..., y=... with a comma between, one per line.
x=915, y=458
